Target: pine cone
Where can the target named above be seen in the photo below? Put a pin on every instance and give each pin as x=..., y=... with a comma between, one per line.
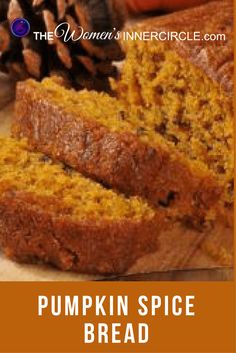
x=84, y=63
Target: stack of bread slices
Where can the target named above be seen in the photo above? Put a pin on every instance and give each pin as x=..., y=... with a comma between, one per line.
x=107, y=185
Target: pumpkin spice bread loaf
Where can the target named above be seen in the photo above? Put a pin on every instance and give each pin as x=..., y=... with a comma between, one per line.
x=167, y=138
x=94, y=133
x=174, y=117
x=50, y=213
x=190, y=83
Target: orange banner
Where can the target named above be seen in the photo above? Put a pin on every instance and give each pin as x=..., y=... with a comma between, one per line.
x=124, y=317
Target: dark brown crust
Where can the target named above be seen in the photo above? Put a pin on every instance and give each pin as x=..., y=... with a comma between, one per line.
x=214, y=58
x=119, y=160
x=30, y=233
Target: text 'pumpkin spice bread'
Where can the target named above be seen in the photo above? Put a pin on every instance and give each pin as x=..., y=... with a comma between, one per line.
x=189, y=82
x=94, y=133
x=50, y=213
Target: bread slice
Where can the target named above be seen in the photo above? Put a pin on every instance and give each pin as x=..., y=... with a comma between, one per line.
x=189, y=82
x=94, y=133
x=51, y=214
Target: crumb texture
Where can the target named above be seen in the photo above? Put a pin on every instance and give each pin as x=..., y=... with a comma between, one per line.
x=100, y=137
x=186, y=88
x=79, y=197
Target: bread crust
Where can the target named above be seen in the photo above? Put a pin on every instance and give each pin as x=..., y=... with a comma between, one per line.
x=31, y=233
x=119, y=160
x=214, y=58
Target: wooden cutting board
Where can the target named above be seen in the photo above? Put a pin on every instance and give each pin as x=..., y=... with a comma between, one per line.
x=197, y=264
